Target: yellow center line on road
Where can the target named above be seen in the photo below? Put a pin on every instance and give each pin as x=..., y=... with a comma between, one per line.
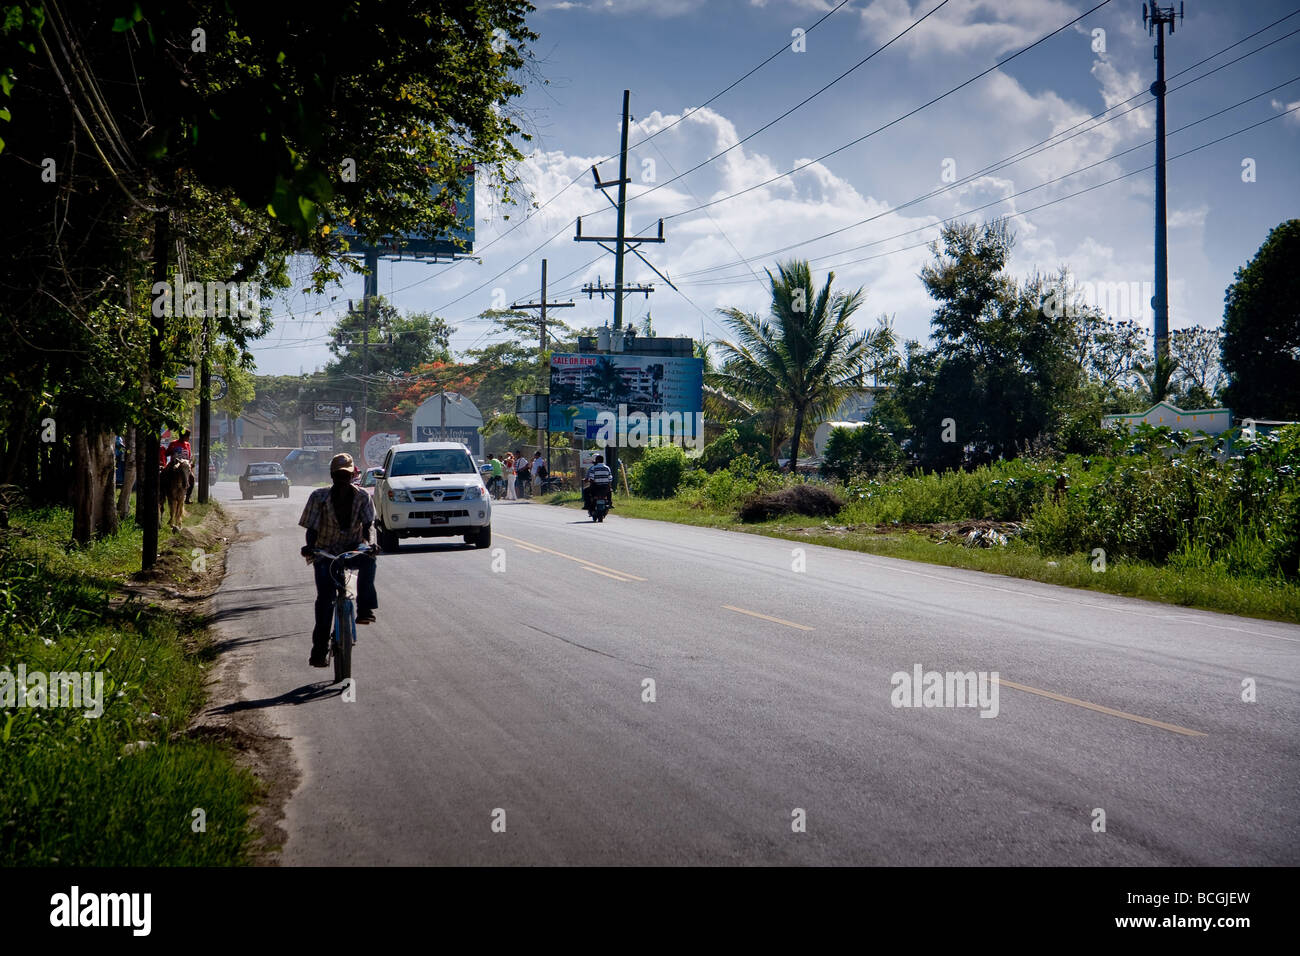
x=1172, y=728
x=569, y=557
x=526, y=547
x=608, y=574
x=765, y=617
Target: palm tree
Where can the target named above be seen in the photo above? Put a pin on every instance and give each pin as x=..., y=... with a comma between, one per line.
x=806, y=356
x=1158, y=377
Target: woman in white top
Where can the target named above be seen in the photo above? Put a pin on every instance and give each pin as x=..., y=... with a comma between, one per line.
x=510, y=477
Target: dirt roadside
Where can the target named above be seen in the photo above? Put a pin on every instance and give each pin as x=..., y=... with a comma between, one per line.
x=188, y=573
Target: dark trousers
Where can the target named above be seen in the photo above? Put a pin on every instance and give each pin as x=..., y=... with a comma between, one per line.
x=601, y=489
x=367, y=599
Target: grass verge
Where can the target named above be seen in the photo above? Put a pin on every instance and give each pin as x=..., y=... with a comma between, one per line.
x=121, y=788
x=1187, y=587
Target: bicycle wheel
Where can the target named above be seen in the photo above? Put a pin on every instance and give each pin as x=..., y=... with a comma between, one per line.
x=348, y=636
x=336, y=646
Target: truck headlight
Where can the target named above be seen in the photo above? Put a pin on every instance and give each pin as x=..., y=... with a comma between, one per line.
x=398, y=494
x=474, y=494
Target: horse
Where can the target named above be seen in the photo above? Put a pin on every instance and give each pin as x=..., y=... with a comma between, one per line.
x=173, y=483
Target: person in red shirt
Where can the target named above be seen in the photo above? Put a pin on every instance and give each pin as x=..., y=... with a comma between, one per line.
x=180, y=448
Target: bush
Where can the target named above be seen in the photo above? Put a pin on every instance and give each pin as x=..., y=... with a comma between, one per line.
x=659, y=472
x=868, y=449
x=1171, y=502
x=735, y=442
x=815, y=501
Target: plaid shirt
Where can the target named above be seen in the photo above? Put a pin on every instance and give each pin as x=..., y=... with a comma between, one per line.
x=319, y=514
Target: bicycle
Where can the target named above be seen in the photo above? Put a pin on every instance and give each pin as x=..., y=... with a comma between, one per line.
x=344, y=634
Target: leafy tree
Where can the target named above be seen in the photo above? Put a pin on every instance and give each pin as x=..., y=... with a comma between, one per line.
x=397, y=343
x=1196, y=349
x=1000, y=365
x=218, y=138
x=806, y=356
x=868, y=449
x=1261, y=330
x=740, y=439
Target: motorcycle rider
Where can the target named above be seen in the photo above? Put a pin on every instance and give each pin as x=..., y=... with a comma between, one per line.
x=598, y=474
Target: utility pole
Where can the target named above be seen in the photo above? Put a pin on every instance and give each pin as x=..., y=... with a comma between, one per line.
x=622, y=245
x=1155, y=20
x=542, y=306
x=205, y=409
x=371, y=292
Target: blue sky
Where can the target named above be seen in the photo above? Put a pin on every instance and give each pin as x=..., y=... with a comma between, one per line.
x=674, y=55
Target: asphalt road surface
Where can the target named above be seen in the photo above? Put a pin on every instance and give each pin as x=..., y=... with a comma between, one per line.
x=503, y=710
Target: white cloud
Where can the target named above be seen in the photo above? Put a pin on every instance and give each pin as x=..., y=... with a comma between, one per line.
x=982, y=26
x=1294, y=118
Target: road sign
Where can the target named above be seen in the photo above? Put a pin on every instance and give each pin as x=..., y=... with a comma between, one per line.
x=185, y=377
x=318, y=441
x=328, y=412
x=218, y=386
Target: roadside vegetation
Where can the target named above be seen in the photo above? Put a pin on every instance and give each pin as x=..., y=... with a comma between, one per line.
x=1154, y=516
x=119, y=789
x=985, y=448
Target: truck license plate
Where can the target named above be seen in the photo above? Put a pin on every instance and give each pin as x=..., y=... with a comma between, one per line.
x=439, y=519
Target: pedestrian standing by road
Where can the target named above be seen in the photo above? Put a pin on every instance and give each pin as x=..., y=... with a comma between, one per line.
x=539, y=472
x=509, y=464
x=523, y=470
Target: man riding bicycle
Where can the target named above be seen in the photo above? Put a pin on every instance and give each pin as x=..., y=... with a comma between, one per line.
x=338, y=519
x=598, y=474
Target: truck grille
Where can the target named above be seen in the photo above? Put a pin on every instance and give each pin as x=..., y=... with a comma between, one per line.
x=450, y=494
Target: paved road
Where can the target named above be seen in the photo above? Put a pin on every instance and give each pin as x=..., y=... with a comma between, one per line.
x=521, y=689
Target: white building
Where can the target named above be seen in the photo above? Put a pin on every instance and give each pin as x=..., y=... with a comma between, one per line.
x=1212, y=421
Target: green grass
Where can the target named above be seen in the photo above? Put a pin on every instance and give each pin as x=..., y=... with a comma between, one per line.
x=120, y=789
x=1205, y=587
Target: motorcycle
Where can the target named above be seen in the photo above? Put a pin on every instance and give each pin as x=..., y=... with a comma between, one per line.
x=599, y=500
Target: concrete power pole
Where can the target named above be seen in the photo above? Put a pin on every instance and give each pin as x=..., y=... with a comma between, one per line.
x=1155, y=20
x=622, y=245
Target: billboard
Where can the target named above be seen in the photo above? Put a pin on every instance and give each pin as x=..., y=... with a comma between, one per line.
x=584, y=385
x=408, y=244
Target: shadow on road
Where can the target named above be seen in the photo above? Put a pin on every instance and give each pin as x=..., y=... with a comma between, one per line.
x=306, y=694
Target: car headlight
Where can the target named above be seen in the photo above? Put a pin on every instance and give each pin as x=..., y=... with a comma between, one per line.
x=474, y=494
x=398, y=494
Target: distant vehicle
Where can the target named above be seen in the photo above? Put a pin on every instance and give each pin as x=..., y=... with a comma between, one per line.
x=307, y=466
x=428, y=490
x=263, y=478
x=370, y=477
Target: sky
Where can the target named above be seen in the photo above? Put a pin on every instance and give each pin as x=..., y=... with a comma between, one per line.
x=846, y=156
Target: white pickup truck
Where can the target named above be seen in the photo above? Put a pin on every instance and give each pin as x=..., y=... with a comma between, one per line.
x=431, y=490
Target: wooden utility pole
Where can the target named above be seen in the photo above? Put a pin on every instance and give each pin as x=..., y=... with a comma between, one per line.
x=542, y=306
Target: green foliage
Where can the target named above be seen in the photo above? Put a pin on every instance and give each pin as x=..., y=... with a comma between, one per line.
x=869, y=449
x=1001, y=365
x=1002, y=491
x=738, y=440
x=659, y=472
x=1172, y=502
x=1261, y=330
x=116, y=790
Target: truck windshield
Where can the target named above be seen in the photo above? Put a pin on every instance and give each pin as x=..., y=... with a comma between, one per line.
x=442, y=461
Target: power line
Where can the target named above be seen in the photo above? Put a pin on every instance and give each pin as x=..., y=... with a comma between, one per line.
x=1026, y=153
